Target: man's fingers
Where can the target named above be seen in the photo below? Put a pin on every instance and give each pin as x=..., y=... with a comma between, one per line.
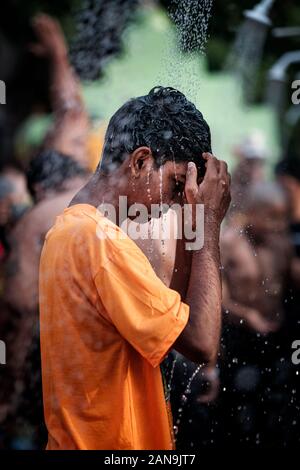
x=223, y=169
x=191, y=187
x=224, y=175
x=206, y=155
x=216, y=168
x=212, y=166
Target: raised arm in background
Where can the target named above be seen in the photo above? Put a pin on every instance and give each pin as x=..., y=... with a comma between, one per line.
x=69, y=132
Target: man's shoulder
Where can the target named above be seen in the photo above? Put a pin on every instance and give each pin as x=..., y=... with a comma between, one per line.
x=84, y=225
x=72, y=222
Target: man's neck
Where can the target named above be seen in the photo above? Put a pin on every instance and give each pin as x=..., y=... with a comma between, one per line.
x=99, y=190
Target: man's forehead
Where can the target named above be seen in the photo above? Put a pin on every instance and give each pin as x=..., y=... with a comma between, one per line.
x=178, y=169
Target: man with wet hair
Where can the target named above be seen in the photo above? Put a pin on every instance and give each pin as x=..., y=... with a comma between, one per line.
x=107, y=321
x=163, y=120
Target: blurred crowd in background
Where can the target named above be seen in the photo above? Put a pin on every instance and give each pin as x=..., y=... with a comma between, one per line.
x=252, y=396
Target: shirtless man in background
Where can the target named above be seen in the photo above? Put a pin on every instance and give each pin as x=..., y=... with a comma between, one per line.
x=255, y=260
x=53, y=177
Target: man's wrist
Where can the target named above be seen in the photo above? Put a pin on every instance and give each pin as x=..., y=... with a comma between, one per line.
x=212, y=227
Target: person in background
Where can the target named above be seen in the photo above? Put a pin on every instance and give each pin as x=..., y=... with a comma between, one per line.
x=226, y=404
x=54, y=175
x=69, y=132
x=288, y=176
x=255, y=260
x=251, y=155
x=14, y=202
x=6, y=190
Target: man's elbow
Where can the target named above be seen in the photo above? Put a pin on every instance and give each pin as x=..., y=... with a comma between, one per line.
x=199, y=352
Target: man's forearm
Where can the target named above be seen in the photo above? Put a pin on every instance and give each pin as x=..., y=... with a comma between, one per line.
x=204, y=296
x=182, y=269
x=69, y=132
x=199, y=341
x=65, y=88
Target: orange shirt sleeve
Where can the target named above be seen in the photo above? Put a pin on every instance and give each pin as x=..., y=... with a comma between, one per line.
x=149, y=315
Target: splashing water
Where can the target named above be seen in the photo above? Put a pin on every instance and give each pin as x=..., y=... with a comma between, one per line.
x=184, y=397
x=150, y=223
x=150, y=237
x=172, y=372
x=161, y=186
x=162, y=220
x=191, y=18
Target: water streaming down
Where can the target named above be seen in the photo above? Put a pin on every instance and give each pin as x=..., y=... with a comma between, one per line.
x=191, y=19
x=162, y=219
x=150, y=223
x=148, y=187
x=161, y=186
x=169, y=385
x=184, y=397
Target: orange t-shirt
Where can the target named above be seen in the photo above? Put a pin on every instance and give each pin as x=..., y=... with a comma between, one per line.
x=107, y=321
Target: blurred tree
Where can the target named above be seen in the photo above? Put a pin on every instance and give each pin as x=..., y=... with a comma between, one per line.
x=99, y=28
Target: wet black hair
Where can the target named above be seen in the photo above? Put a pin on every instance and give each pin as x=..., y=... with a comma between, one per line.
x=50, y=169
x=165, y=121
x=290, y=165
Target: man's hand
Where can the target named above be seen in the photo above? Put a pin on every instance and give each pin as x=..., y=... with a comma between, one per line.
x=213, y=191
x=51, y=41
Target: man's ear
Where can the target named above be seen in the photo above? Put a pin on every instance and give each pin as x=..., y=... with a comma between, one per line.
x=139, y=158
